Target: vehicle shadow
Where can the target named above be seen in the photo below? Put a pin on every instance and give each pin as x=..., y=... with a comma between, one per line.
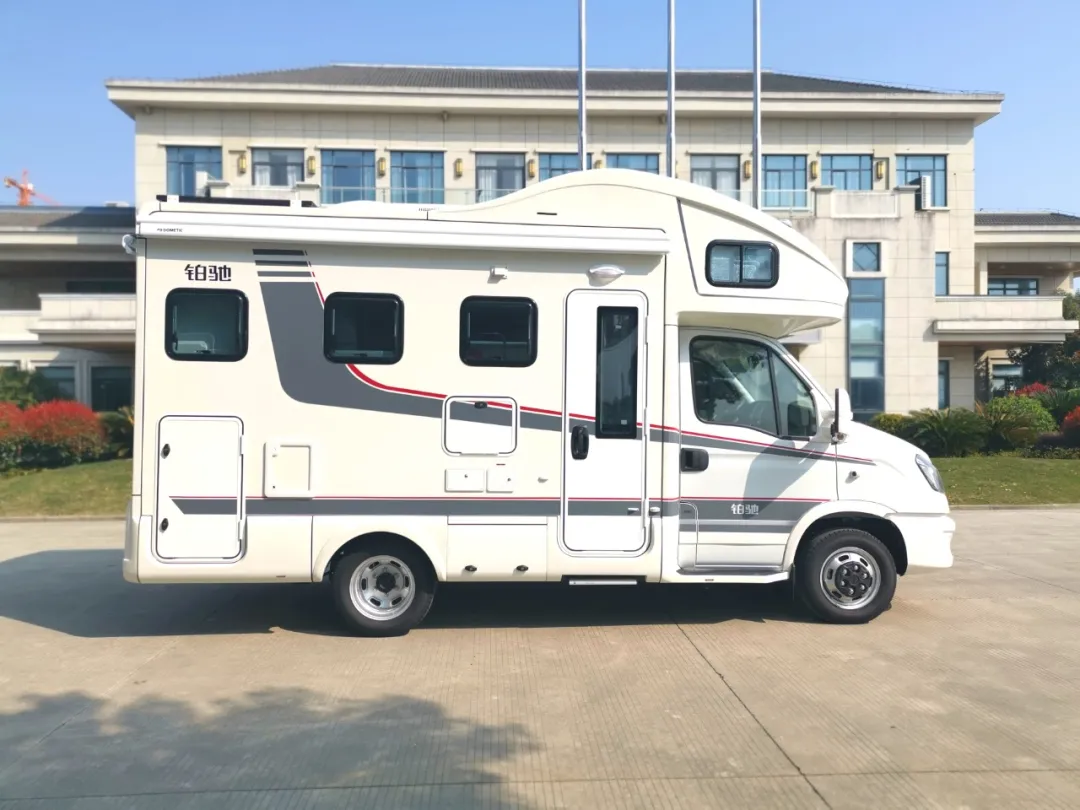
x=246, y=750
x=82, y=593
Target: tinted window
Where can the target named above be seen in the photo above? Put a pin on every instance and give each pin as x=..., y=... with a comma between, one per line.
x=616, y=372
x=363, y=328
x=739, y=382
x=739, y=264
x=206, y=325
x=497, y=332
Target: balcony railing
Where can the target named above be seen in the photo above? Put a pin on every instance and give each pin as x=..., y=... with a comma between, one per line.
x=987, y=318
x=86, y=317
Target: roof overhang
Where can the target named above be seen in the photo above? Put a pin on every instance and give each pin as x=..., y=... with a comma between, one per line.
x=136, y=96
x=1009, y=332
x=986, y=235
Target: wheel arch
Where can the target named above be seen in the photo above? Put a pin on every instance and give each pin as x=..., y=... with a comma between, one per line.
x=865, y=515
x=335, y=539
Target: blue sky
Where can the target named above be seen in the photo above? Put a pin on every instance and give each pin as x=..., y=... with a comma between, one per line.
x=56, y=121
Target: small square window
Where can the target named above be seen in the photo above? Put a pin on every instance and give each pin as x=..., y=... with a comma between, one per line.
x=208, y=325
x=363, y=328
x=866, y=257
x=498, y=332
x=734, y=264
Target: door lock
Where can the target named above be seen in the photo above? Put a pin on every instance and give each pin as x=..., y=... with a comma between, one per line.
x=164, y=524
x=165, y=451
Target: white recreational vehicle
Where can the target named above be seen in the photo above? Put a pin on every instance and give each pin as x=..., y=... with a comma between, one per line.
x=579, y=382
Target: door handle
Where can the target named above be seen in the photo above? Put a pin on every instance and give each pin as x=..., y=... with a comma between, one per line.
x=654, y=510
x=579, y=442
x=633, y=510
x=693, y=459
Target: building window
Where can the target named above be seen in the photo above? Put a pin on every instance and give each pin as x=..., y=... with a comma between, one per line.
x=941, y=273
x=1012, y=286
x=866, y=346
x=866, y=257
x=277, y=167
x=498, y=175
x=1005, y=378
x=554, y=164
x=743, y=383
x=110, y=387
x=63, y=377
x=943, y=383
x=347, y=175
x=640, y=162
x=183, y=163
x=417, y=177
x=101, y=286
x=207, y=325
x=785, y=181
x=616, y=372
x=741, y=264
x=498, y=331
x=847, y=172
x=718, y=172
x=909, y=168
x=363, y=328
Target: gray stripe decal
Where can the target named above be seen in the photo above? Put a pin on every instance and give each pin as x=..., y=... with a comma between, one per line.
x=750, y=511
x=294, y=314
x=281, y=263
x=743, y=527
x=279, y=252
x=432, y=507
x=284, y=273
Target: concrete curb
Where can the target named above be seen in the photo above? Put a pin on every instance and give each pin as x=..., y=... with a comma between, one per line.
x=60, y=518
x=1015, y=507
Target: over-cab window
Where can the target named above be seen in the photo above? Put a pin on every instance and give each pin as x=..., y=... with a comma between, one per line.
x=208, y=325
x=746, y=384
x=363, y=328
x=742, y=264
x=498, y=331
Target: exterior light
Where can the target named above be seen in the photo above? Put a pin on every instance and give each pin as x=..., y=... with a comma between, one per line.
x=241, y=163
x=459, y=168
x=747, y=169
x=380, y=166
x=532, y=168
x=879, y=170
x=598, y=164
x=311, y=165
x=813, y=170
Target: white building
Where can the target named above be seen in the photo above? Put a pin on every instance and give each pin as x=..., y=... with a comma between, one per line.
x=881, y=177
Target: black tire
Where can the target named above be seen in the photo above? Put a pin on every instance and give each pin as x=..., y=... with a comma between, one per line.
x=810, y=576
x=413, y=567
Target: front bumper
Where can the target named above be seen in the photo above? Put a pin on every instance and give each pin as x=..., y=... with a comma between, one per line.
x=928, y=539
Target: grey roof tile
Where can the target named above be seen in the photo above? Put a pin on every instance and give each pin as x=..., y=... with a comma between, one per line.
x=552, y=79
x=1025, y=219
x=44, y=218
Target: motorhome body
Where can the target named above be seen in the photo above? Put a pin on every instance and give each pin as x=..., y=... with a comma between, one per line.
x=581, y=381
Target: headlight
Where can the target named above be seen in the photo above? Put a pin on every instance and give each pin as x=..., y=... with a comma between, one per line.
x=930, y=473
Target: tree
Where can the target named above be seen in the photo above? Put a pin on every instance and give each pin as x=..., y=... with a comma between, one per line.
x=26, y=388
x=1054, y=364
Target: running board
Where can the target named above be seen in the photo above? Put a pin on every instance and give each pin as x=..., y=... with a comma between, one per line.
x=760, y=574
x=602, y=581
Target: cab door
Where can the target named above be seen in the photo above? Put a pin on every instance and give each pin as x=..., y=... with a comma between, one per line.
x=753, y=458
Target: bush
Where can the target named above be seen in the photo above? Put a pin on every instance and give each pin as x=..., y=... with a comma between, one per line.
x=1035, y=389
x=1055, y=445
x=1070, y=426
x=896, y=424
x=948, y=432
x=1059, y=403
x=12, y=435
x=61, y=433
x=119, y=432
x=1014, y=422
x=26, y=388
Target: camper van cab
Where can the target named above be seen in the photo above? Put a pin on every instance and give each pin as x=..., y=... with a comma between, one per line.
x=580, y=382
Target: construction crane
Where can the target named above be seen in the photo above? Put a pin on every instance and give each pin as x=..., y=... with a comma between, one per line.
x=26, y=190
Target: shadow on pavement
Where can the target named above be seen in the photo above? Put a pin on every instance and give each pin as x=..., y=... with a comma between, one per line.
x=81, y=593
x=395, y=751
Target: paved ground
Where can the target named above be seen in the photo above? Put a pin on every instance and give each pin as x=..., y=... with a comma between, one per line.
x=965, y=694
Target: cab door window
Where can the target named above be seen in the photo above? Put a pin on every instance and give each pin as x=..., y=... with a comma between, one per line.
x=745, y=384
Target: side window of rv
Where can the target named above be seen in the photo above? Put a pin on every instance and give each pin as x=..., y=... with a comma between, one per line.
x=207, y=325
x=745, y=384
x=742, y=264
x=498, y=331
x=363, y=328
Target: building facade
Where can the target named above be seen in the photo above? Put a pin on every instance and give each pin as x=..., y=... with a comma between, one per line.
x=881, y=177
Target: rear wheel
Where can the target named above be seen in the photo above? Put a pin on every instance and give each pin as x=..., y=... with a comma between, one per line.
x=846, y=576
x=383, y=589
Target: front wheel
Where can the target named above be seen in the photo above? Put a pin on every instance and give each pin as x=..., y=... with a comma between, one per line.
x=846, y=576
x=383, y=589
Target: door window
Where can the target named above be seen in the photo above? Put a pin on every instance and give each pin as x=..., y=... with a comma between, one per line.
x=616, y=372
x=746, y=384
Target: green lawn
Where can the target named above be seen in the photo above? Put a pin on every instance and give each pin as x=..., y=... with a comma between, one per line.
x=1010, y=480
x=103, y=488
x=100, y=488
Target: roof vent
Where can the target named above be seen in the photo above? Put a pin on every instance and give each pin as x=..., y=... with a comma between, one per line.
x=116, y=204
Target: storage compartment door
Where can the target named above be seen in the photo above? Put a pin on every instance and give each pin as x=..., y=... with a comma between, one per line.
x=200, y=488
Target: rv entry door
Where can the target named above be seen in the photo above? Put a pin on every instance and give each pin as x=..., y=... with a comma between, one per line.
x=200, y=492
x=605, y=437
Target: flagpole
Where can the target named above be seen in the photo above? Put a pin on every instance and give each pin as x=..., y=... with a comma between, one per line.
x=671, y=89
x=582, y=137
x=756, y=146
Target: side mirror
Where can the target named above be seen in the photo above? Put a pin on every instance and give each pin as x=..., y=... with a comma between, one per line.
x=839, y=415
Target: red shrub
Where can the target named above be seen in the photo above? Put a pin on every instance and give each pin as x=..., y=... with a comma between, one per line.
x=61, y=432
x=12, y=434
x=1071, y=424
x=1032, y=390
